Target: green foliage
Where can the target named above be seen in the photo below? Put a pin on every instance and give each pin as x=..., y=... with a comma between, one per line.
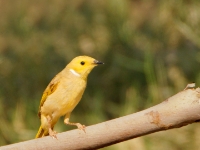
x=150, y=50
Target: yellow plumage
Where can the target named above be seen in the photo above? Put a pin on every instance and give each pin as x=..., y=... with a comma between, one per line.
x=63, y=94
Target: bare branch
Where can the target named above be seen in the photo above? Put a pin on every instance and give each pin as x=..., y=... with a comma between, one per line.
x=177, y=111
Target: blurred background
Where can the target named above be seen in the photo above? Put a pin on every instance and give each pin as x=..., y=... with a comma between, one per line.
x=151, y=51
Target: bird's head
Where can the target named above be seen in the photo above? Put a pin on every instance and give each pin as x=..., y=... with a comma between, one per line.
x=82, y=65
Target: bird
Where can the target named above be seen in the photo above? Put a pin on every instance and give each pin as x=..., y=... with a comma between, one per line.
x=63, y=93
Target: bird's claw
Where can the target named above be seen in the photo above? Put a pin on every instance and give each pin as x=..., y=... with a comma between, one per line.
x=81, y=127
x=53, y=134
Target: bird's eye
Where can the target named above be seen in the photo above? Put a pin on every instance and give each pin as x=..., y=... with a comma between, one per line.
x=82, y=62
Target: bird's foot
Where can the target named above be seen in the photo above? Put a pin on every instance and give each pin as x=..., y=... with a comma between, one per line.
x=53, y=134
x=80, y=126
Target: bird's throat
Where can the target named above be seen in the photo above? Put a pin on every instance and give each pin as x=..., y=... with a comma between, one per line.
x=74, y=72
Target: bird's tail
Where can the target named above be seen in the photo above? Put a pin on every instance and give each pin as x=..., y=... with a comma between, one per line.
x=41, y=133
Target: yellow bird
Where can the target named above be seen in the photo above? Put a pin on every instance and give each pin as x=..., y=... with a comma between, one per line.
x=63, y=94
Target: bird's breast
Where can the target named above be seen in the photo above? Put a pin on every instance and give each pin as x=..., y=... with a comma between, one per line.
x=65, y=98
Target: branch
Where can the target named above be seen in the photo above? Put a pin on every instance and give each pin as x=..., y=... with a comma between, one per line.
x=177, y=111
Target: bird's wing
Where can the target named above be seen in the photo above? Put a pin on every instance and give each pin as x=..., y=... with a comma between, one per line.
x=48, y=91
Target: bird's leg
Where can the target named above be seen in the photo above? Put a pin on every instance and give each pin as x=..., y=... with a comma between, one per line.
x=79, y=126
x=51, y=132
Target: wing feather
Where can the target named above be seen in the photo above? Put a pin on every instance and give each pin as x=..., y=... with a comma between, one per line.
x=48, y=91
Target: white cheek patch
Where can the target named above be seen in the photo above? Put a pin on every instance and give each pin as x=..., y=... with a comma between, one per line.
x=74, y=73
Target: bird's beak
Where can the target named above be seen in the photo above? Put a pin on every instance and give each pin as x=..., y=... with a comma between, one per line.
x=98, y=62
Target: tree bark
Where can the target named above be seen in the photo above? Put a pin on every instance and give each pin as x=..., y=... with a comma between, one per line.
x=177, y=111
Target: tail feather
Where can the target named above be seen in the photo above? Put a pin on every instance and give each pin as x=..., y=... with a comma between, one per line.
x=41, y=133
